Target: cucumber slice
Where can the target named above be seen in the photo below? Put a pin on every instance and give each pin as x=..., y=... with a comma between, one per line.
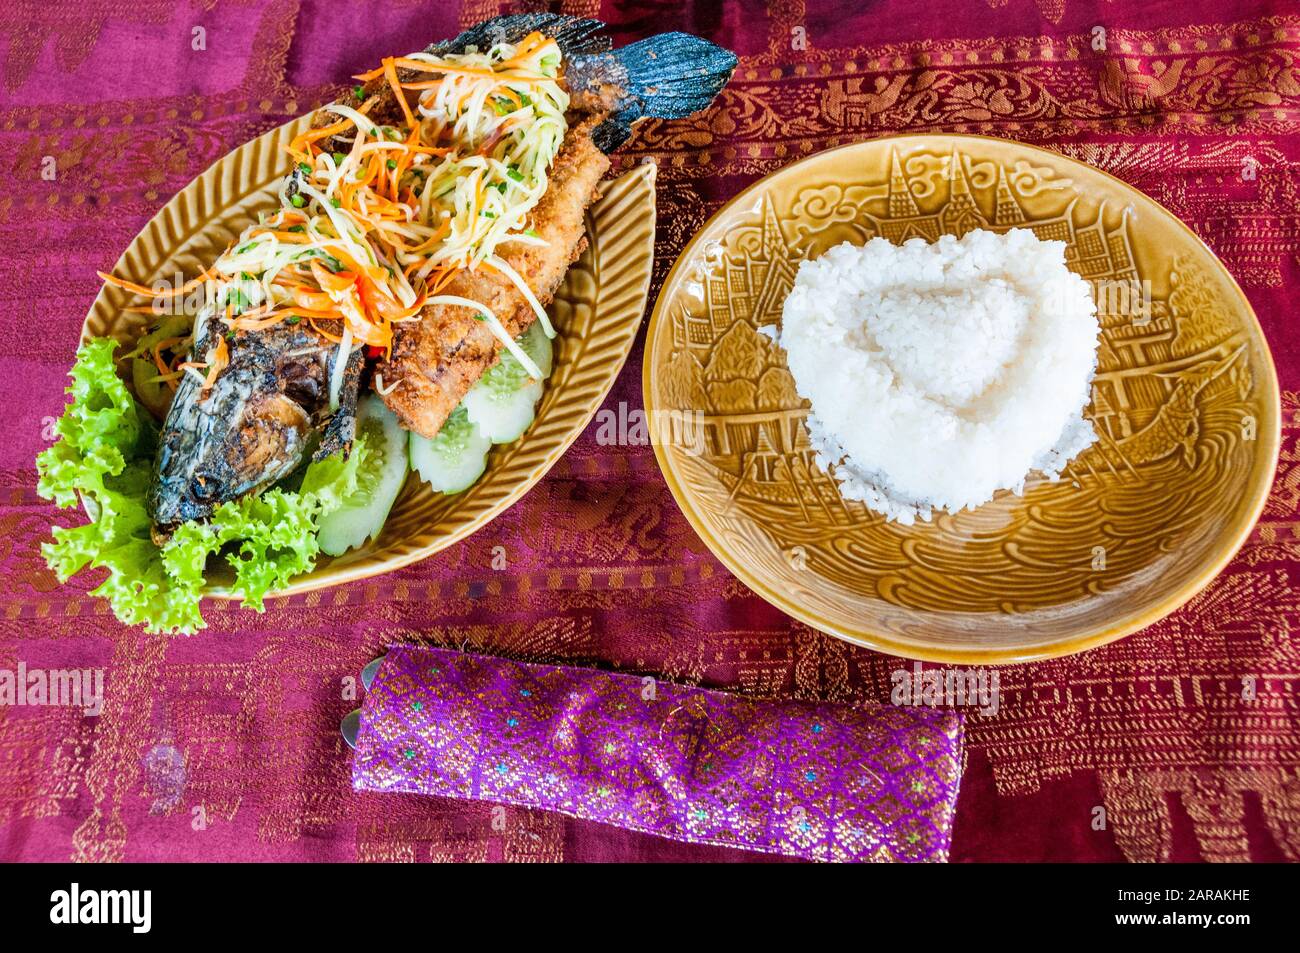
x=502, y=416
x=537, y=346
x=502, y=403
x=454, y=459
x=508, y=374
x=379, y=480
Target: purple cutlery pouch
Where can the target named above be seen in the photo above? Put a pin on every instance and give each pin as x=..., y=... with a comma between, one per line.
x=815, y=780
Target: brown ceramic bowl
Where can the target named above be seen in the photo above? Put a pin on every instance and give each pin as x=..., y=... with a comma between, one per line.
x=1185, y=400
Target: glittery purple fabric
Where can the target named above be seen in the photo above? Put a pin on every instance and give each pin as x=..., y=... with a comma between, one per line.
x=814, y=780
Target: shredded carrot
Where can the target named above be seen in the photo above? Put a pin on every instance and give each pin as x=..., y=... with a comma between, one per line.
x=390, y=73
x=331, y=281
x=313, y=300
x=313, y=135
x=159, y=362
x=444, y=280
x=525, y=47
x=260, y=322
x=293, y=238
x=157, y=292
x=219, y=361
x=436, y=237
x=423, y=67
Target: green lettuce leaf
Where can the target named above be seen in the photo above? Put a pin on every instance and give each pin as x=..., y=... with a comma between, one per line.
x=96, y=462
x=270, y=538
x=103, y=460
x=98, y=430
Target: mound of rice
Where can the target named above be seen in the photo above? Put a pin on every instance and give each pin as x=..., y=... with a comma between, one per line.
x=941, y=373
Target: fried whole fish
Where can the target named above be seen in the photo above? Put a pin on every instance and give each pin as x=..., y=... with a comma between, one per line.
x=436, y=360
x=261, y=416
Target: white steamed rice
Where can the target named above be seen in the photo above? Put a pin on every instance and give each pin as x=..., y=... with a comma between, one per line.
x=941, y=373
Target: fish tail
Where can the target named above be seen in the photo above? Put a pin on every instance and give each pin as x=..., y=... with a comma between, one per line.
x=668, y=76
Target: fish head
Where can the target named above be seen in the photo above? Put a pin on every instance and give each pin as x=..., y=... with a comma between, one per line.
x=262, y=439
x=252, y=427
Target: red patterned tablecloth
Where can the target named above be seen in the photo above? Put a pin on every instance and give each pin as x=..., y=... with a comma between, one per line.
x=225, y=745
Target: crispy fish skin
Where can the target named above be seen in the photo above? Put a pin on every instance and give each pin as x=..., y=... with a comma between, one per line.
x=437, y=359
x=255, y=424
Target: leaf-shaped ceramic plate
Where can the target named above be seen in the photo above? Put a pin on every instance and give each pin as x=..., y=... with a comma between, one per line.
x=597, y=313
x=1185, y=400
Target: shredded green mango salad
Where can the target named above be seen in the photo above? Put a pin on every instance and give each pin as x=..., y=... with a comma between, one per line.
x=103, y=460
